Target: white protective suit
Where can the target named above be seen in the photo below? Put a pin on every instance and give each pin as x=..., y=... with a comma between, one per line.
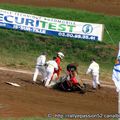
x=94, y=70
x=40, y=68
x=116, y=76
x=49, y=71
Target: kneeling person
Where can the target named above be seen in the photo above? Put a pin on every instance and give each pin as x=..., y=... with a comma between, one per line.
x=72, y=74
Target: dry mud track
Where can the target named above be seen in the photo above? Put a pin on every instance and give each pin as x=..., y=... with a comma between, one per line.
x=110, y=7
x=36, y=100
x=31, y=100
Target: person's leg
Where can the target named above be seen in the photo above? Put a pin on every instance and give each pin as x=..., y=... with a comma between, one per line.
x=58, y=74
x=48, y=78
x=97, y=81
x=35, y=74
x=80, y=88
x=94, y=84
x=42, y=70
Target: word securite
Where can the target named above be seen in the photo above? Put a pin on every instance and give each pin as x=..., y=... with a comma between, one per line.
x=36, y=23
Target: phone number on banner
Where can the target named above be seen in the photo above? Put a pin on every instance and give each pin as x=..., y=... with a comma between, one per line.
x=78, y=36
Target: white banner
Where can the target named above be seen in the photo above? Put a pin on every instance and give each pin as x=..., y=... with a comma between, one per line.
x=50, y=26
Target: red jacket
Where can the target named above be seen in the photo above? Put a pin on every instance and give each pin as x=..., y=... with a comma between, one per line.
x=58, y=61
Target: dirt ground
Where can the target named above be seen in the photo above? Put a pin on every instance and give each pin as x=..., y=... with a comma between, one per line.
x=111, y=7
x=31, y=100
x=36, y=100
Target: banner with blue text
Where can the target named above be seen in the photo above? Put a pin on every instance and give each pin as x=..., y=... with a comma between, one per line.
x=50, y=26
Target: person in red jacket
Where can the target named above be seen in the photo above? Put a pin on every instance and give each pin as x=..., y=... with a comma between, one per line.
x=73, y=82
x=59, y=57
x=72, y=73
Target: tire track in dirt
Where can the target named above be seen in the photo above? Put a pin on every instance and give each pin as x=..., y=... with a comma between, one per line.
x=104, y=83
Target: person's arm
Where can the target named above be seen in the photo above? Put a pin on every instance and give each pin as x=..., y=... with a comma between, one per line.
x=58, y=63
x=56, y=67
x=89, y=69
x=47, y=63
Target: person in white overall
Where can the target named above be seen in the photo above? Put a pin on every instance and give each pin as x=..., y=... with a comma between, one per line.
x=116, y=73
x=51, y=66
x=40, y=67
x=94, y=70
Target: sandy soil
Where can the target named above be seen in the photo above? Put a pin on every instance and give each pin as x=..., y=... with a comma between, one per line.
x=111, y=7
x=35, y=100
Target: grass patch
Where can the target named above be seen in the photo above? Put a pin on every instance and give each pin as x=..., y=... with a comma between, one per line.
x=20, y=49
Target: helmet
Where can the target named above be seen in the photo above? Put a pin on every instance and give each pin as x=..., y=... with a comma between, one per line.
x=60, y=54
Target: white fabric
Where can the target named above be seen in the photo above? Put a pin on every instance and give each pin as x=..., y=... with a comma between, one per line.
x=49, y=71
x=118, y=57
x=40, y=68
x=95, y=81
x=116, y=79
x=41, y=60
x=116, y=73
x=94, y=70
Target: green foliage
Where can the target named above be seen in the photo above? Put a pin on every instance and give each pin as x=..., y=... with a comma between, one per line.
x=16, y=44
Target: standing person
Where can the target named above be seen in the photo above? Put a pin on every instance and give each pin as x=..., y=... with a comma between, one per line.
x=94, y=70
x=51, y=66
x=59, y=57
x=40, y=67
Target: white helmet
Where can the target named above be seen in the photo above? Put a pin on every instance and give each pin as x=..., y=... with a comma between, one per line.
x=60, y=54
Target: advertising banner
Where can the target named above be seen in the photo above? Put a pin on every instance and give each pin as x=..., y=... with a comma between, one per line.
x=50, y=26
